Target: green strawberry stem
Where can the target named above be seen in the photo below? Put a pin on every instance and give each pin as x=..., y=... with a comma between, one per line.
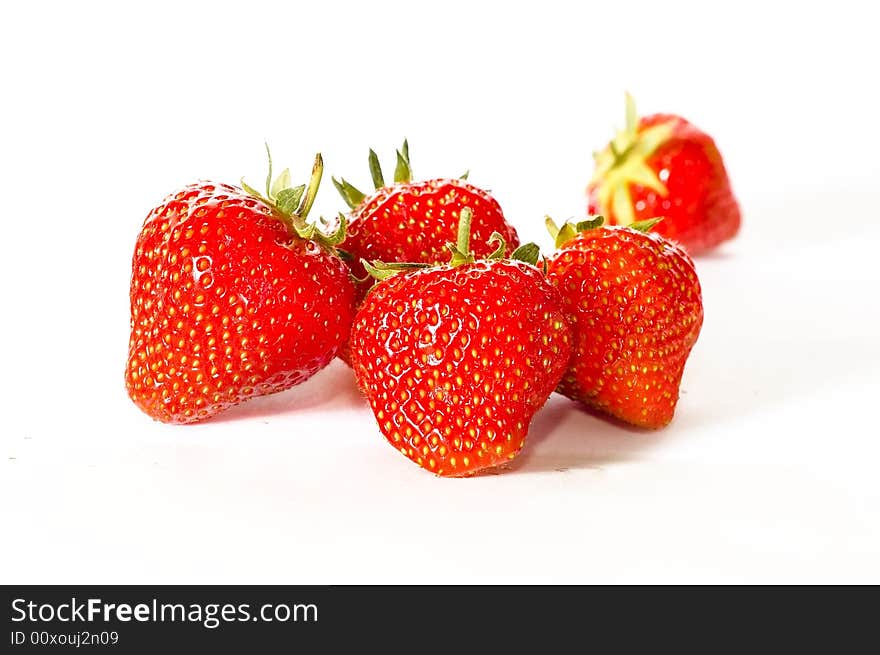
x=625, y=141
x=461, y=252
x=293, y=204
x=312, y=188
x=461, y=249
x=632, y=116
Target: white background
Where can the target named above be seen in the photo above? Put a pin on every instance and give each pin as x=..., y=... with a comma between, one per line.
x=767, y=474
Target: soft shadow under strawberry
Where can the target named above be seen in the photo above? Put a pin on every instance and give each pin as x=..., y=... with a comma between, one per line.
x=333, y=388
x=567, y=435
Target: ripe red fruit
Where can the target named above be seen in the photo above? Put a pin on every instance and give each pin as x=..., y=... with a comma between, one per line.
x=662, y=165
x=233, y=296
x=413, y=221
x=636, y=306
x=456, y=359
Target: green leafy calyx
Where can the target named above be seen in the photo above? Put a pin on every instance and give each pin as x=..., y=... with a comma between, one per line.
x=403, y=170
x=402, y=173
x=624, y=163
x=569, y=230
x=645, y=226
x=528, y=253
x=461, y=252
x=350, y=194
x=382, y=271
x=293, y=203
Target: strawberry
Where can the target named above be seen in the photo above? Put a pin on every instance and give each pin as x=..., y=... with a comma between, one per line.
x=233, y=296
x=456, y=359
x=662, y=165
x=636, y=307
x=414, y=221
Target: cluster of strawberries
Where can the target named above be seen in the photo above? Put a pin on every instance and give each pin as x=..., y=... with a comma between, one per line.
x=456, y=333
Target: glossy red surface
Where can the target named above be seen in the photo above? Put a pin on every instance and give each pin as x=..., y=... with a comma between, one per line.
x=637, y=310
x=699, y=209
x=226, y=305
x=456, y=361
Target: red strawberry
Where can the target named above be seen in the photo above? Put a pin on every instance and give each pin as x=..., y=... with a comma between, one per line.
x=662, y=165
x=456, y=359
x=413, y=221
x=636, y=305
x=233, y=296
